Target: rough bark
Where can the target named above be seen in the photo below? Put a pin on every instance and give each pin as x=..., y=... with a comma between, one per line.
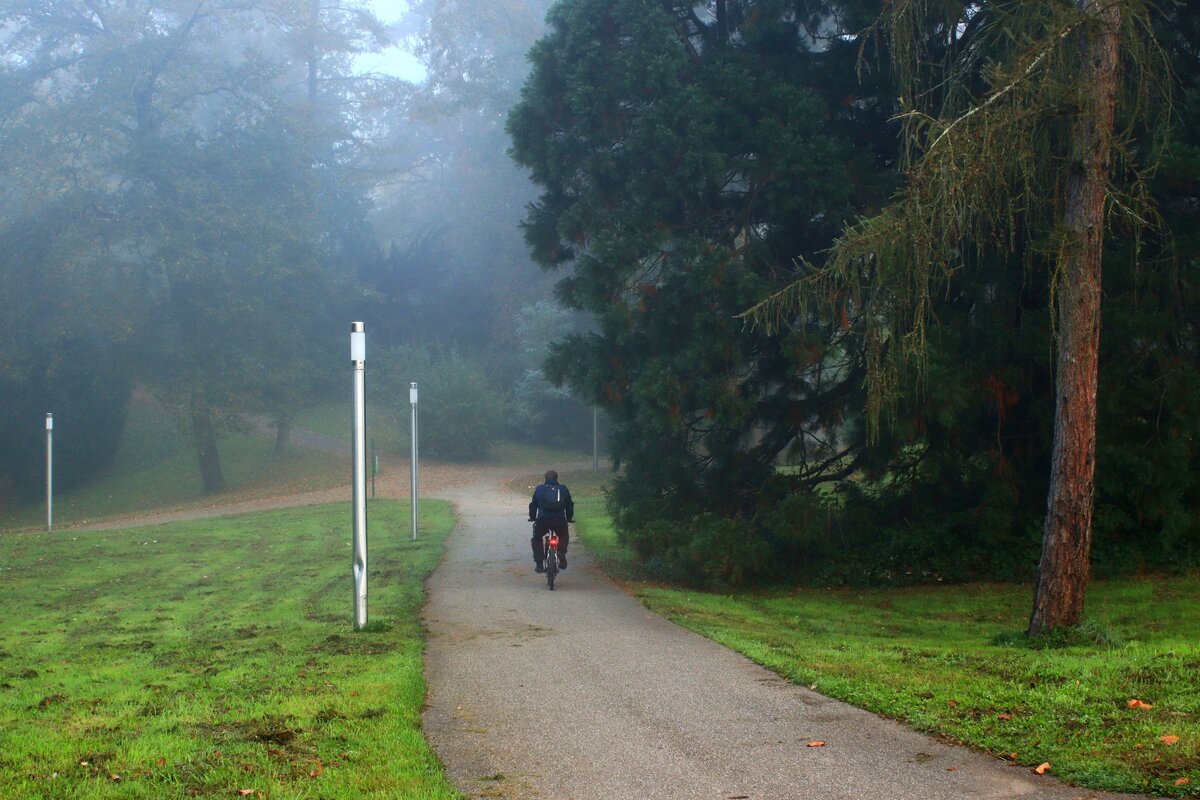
x=1067, y=537
x=204, y=435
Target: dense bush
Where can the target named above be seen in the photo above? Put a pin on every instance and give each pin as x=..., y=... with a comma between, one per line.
x=461, y=414
x=540, y=411
x=87, y=387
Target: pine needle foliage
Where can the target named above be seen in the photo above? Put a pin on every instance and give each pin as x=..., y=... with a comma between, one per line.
x=988, y=94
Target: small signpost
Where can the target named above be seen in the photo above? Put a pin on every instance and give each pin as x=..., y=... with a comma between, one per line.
x=412, y=398
x=358, y=357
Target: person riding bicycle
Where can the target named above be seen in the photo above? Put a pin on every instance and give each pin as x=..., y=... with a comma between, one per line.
x=551, y=508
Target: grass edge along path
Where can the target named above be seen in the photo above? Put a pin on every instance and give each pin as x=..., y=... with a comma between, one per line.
x=216, y=658
x=950, y=661
x=154, y=470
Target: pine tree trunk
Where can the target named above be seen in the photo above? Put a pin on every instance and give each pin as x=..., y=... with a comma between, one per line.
x=204, y=435
x=1067, y=538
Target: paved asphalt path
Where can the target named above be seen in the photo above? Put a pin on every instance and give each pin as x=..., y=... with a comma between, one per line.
x=582, y=693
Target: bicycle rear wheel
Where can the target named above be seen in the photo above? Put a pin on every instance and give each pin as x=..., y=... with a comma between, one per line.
x=551, y=568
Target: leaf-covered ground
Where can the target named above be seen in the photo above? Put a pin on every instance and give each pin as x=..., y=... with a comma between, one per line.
x=952, y=660
x=217, y=657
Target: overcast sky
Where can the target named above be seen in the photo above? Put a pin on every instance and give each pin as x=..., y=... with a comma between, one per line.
x=394, y=60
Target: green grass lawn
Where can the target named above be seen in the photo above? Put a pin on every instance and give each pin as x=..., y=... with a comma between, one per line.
x=389, y=430
x=155, y=467
x=212, y=657
x=951, y=660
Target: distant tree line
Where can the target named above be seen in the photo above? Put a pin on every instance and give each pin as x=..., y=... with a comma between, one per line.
x=199, y=196
x=887, y=413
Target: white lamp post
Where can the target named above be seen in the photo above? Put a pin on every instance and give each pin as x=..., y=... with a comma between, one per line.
x=49, y=471
x=412, y=398
x=358, y=357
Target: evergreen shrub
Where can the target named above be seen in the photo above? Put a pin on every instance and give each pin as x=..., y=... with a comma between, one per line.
x=461, y=413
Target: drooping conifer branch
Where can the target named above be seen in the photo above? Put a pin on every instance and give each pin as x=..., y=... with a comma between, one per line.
x=986, y=171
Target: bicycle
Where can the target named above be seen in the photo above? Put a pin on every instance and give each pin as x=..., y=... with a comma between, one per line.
x=550, y=551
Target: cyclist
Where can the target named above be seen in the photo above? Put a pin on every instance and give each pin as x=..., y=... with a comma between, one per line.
x=551, y=508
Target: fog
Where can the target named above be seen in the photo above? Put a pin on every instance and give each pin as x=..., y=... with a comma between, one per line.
x=199, y=198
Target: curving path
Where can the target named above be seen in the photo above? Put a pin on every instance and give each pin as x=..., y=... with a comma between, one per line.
x=582, y=693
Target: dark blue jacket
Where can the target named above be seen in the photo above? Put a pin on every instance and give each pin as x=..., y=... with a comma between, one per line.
x=535, y=505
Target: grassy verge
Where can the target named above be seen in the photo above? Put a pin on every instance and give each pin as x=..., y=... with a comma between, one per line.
x=210, y=658
x=387, y=428
x=156, y=468
x=951, y=660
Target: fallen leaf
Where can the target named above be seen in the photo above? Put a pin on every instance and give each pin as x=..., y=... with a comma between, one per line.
x=1043, y=768
x=245, y=792
x=816, y=744
x=1013, y=756
x=114, y=777
x=316, y=773
x=1169, y=739
x=1135, y=703
x=952, y=703
x=951, y=769
x=1005, y=717
x=161, y=761
x=1183, y=781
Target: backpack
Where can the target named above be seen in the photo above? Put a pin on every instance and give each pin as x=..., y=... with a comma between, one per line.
x=551, y=501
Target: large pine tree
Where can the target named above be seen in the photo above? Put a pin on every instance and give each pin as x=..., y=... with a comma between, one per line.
x=685, y=167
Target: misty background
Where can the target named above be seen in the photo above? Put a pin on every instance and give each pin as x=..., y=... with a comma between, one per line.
x=199, y=198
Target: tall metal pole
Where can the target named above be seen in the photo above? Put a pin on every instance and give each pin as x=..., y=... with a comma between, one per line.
x=595, y=440
x=412, y=398
x=358, y=357
x=49, y=471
